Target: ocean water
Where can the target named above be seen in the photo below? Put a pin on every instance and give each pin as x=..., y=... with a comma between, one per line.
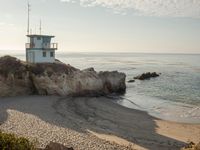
x=175, y=95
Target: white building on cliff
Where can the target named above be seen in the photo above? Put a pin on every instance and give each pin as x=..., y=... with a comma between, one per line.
x=39, y=48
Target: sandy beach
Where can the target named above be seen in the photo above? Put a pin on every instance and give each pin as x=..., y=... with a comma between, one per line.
x=91, y=123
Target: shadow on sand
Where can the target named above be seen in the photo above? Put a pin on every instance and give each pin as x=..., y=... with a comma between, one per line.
x=100, y=115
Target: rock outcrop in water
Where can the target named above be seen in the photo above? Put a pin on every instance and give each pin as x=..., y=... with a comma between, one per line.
x=131, y=81
x=20, y=78
x=147, y=75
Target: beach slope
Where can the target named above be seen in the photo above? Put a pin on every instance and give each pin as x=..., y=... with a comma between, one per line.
x=91, y=123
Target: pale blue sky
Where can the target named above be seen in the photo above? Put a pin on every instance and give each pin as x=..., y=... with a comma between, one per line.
x=164, y=26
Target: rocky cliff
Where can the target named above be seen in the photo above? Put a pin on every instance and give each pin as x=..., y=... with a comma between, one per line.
x=20, y=78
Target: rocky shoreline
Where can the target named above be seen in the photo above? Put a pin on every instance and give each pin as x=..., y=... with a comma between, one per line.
x=21, y=78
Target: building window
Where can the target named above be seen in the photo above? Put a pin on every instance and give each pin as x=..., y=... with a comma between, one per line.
x=38, y=38
x=52, y=54
x=44, y=54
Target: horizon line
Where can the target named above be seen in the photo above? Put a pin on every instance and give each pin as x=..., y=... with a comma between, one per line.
x=121, y=52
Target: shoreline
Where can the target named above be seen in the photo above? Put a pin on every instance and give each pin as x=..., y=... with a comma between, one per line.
x=97, y=123
x=163, y=109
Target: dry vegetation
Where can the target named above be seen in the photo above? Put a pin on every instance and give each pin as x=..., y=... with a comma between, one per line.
x=11, y=142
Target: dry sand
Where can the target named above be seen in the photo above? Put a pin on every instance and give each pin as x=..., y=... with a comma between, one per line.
x=91, y=123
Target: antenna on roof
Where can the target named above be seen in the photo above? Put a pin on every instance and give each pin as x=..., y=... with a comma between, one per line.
x=40, y=27
x=28, y=26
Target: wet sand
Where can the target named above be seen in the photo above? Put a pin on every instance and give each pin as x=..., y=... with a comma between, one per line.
x=91, y=123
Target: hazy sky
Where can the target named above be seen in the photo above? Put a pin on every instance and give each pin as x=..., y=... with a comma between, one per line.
x=165, y=26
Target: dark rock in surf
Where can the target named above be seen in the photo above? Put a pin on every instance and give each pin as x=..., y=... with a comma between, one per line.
x=147, y=75
x=131, y=81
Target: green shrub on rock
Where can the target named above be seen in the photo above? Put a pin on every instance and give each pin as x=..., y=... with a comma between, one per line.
x=11, y=142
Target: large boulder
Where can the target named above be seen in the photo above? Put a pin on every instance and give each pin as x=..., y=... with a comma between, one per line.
x=76, y=83
x=113, y=82
x=21, y=78
x=57, y=146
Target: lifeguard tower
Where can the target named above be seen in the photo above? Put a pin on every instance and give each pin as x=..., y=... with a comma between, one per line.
x=39, y=48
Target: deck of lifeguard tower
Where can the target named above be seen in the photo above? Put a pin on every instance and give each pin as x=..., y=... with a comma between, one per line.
x=44, y=46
